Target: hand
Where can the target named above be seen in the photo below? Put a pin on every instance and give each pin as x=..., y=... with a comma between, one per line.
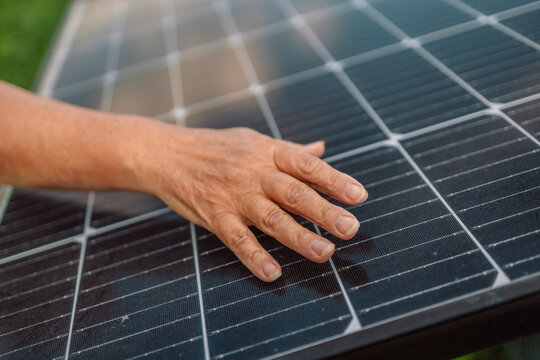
x=225, y=180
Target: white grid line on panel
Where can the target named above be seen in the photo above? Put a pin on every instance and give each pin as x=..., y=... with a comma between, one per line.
x=5, y=196
x=40, y=249
x=516, y=11
x=250, y=346
x=168, y=23
x=132, y=335
x=492, y=21
x=153, y=287
x=215, y=332
x=88, y=217
x=199, y=289
x=355, y=324
x=435, y=288
x=113, y=56
x=325, y=54
x=237, y=42
x=38, y=258
x=426, y=55
x=165, y=348
x=130, y=221
x=486, y=166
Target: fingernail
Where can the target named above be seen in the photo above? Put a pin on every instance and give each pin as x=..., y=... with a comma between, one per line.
x=271, y=270
x=356, y=193
x=321, y=247
x=347, y=225
x=313, y=146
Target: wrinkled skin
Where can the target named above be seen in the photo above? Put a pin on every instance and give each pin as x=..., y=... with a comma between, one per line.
x=226, y=180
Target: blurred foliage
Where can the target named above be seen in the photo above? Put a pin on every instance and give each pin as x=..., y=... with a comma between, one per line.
x=494, y=353
x=26, y=28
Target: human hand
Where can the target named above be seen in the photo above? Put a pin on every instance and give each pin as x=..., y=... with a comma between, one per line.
x=226, y=180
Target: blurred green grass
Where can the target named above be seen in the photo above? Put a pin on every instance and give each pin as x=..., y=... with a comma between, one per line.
x=26, y=28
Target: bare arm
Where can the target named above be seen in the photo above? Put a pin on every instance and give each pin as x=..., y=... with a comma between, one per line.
x=223, y=180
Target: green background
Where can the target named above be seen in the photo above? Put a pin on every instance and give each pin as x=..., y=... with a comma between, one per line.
x=26, y=29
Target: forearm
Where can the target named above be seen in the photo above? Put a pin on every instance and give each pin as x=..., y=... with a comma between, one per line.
x=48, y=144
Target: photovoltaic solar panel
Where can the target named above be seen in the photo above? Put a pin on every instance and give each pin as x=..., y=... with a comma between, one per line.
x=433, y=105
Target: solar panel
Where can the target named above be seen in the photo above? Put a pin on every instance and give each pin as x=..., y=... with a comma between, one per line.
x=433, y=105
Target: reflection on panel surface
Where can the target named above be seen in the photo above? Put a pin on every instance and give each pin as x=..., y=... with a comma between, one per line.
x=139, y=294
x=220, y=65
x=490, y=175
x=409, y=252
x=36, y=298
x=281, y=53
x=304, y=305
x=250, y=14
x=322, y=109
x=243, y=113
x=115, y=206
x=335, y=29
x=34, y=218
x=145, y=93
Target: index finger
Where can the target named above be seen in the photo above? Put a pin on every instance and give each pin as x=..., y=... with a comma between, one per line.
x=312, y=170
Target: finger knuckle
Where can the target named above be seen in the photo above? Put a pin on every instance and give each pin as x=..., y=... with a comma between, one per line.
x=273, y=217
x=254, y=256
x=295, y=193
x=298, y=238
x=334, y=181
x=309, y=165
x=326, y=212
x=239, y=239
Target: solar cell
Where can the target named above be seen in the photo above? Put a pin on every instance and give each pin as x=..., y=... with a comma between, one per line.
x=432, y=105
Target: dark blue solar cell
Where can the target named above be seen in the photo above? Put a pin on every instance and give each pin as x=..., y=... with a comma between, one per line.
x=36, y=302
x=527, y=115
x=139, y=293
x=488, y=172
x=526, y=24
x=418, y=17
x=322, y=109
x=409, y=252
x=493, y=6
x=409, y=93
x=35, y=218
x=501, y=68
x=236, y=302
x=335, y=29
